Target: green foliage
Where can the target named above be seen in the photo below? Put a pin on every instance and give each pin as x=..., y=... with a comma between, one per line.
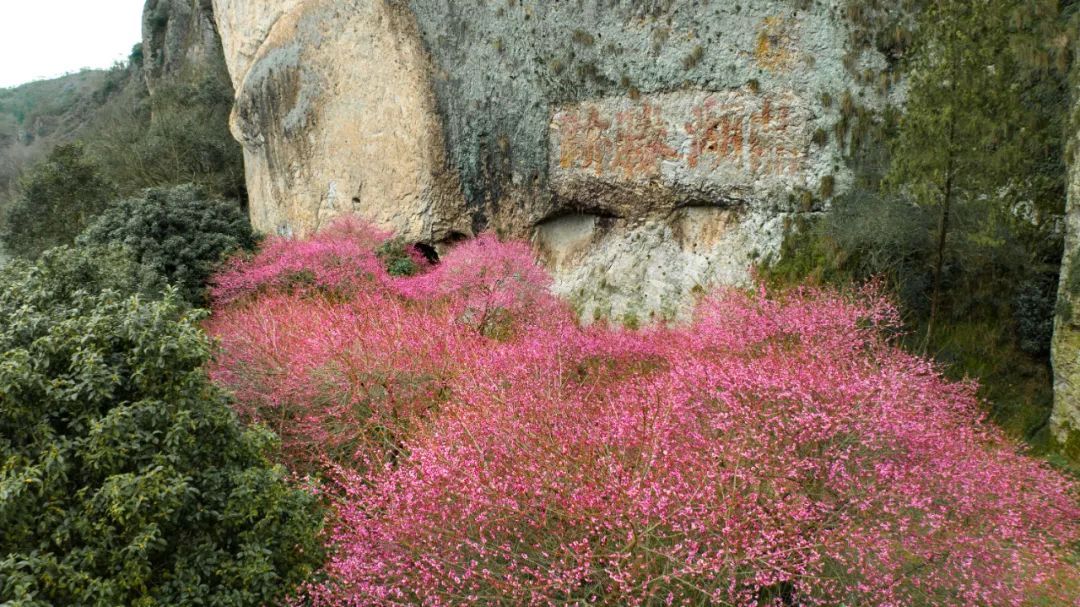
x=125, y=478
x=962, y=226
x=61, y=272
x=134, y=140
x=179, y=234
x=996, y=327
x=136, y=57
x=58, y=107
x=1016, y=385
x=179, y=134
x=981, y=146
x=36, y=117
x=59, y=198
x=396, y=258
x=865, y=236
x=979, y=120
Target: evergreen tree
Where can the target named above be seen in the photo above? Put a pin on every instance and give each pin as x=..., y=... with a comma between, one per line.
x=180, y=234
x=125, y=477
x=59, y=198
x=975, y=145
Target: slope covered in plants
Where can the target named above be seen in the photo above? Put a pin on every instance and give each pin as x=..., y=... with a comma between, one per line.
x=479, y=446
x=125, y=478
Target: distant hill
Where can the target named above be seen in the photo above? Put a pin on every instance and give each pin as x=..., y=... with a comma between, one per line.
x=34, y=117
x=160, y=119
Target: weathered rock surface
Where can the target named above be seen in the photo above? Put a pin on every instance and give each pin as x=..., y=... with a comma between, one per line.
x=246, y=24
x=1065, y=420
x=647, y=148
x=179, y=36
x=336, y=115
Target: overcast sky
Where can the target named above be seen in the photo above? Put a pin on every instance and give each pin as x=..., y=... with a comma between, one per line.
x=48, y=38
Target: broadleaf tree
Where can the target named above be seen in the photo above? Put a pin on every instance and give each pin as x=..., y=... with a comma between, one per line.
x=57, y=200
x=125, y=477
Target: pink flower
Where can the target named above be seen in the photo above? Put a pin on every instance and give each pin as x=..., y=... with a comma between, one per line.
x=482, y=447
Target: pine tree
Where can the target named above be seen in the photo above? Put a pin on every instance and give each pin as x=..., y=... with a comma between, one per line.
x=973, y=137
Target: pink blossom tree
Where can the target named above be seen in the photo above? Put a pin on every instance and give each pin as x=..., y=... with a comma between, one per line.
x=482, y=447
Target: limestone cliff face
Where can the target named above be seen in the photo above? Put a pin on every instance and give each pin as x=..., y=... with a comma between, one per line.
x=646, y=148
x=179, y=36
x=1065, y=421
x=335, y=113
x=246, y=24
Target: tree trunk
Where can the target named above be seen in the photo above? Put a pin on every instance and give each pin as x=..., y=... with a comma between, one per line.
x=943, y=233
x=939, y=263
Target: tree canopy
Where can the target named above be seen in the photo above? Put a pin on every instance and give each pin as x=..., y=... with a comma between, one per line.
x=126, y=479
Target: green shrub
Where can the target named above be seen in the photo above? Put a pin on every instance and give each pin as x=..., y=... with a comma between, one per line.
x=59, y=198
x=998, y=290
x=59, y=273
x=125, y=477
x=865, y=236
x=180, y=134
x=179, y=233
x=136, y=56
x=396, y=258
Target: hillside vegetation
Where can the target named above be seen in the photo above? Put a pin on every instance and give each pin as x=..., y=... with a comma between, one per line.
x=126, y=477
x=36, y=117
x=77, y=142
x=195, y=414
x=959, y=200
x=479, y=445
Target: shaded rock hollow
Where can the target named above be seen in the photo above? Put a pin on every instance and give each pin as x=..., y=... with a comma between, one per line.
x=647, y=149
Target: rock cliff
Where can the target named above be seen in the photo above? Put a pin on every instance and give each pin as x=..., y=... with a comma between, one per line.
x=647, y=148
x=1065, y=421
x=179, y=37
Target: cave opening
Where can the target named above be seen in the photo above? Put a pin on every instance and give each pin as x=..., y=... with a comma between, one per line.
x=428, y=252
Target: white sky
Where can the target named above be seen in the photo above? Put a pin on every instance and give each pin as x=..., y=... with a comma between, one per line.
x=48, y=38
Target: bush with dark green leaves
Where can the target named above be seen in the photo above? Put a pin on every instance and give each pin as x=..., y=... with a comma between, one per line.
x=61, y=272
x=179, y=233
x=397, y=258
x=57, y=200
x=125, y=477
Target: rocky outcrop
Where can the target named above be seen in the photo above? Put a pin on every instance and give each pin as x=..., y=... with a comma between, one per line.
x=179, y=39
x=336, y=115
x=246, y=24
x=647, y=148
x=1065, y=420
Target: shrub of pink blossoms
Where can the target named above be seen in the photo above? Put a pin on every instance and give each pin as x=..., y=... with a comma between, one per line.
x=775, y=451
x=344, y=361
x=340, y=257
